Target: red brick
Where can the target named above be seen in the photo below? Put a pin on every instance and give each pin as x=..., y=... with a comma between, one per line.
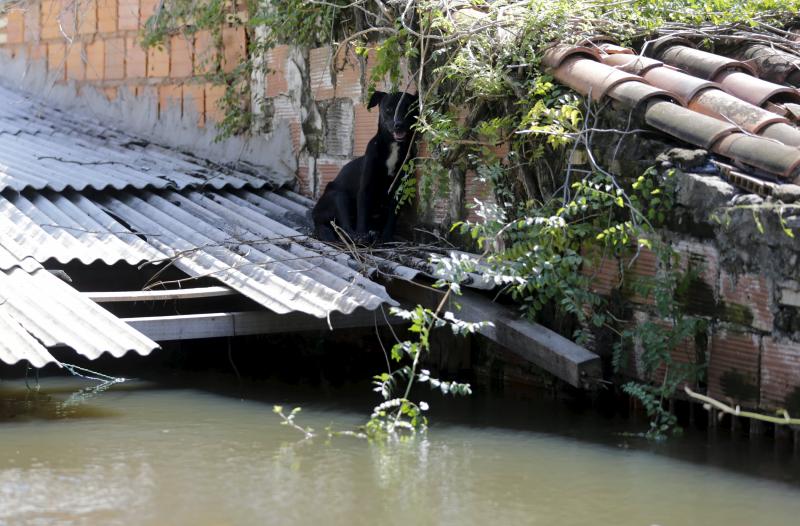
x=76, y=68
x=84, y=16
x=157, y=62
x=205, y=52
x=296, y=132
x=701, y=261
x=603, y=271
x=214, y=112
x=135, y=59
x=327, y=172
x=320, y=61
x=733, y=367
x=50, y=13
x=56, y=60
x=146, y=10
x=15, y=28
x=303, y=180
x=180, y=61
x=276, y=79
x=641, y=268
x=780, y=375
x=107, y=16
x=476, y=189
x=115, y=59
x=234, y=43
x=348, y=75
x=745, y=296
x=366, y=124
x=169, y=96
x=37, y=52
x=194, y=102
x=95, y=60
x=128, y=15
x=33, y=16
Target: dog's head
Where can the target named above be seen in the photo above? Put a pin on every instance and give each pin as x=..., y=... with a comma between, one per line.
x=398, y=112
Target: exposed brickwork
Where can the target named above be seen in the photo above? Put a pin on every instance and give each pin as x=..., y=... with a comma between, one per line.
x=128, y=15
x=76, y=69
x=194, y=102
x=157, y=62
x=107, y=16
x=180, y=57
x=320, y=61
x=780, y=375
x=170, y=96
x=235, y=47
x=95, y=60
x=603, y=271
x=114, y=58
x=366, y=124
x=213, y=94
x=15, y=28
x=747, y=300
x=276, y=80
x=135, y=59
x=733, y=366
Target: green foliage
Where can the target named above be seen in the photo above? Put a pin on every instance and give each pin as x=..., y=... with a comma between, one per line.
x=398, y=416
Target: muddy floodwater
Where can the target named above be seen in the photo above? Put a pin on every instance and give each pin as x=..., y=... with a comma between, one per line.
x=154, y=454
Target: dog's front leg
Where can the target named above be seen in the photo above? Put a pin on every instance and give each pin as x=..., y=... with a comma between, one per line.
x=387, y=233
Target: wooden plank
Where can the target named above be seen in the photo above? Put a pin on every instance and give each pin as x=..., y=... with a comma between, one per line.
x=220, y=324
x=159, y=295
x=549, y=350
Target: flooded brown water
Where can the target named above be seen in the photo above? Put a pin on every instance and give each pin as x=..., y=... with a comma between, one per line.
x=143, y=454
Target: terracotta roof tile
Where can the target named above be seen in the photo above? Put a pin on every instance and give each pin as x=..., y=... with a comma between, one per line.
x=712, y=101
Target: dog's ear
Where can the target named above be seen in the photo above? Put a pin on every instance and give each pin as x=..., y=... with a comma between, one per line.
x=376, y=99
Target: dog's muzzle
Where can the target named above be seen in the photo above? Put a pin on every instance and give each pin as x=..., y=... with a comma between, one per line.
x=399, y=136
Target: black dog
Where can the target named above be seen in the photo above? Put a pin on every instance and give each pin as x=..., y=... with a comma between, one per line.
x=361, y=199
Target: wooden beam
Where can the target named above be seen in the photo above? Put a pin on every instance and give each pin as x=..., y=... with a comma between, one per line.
x=159, y=295
x=539, y=345
x=220, y=324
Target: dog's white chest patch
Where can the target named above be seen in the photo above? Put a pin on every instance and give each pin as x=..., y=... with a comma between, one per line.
x=391, y=161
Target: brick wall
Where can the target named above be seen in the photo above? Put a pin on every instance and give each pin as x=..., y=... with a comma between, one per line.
x=96, y=43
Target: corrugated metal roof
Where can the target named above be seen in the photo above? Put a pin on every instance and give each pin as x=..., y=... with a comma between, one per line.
x=249, y=240
x=47, y=149
x=17, y=344
x=73, y=190
x=38, y=310
x=65, y=227
x=715, y=103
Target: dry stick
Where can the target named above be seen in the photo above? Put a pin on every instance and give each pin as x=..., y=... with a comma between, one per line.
x=709, y=402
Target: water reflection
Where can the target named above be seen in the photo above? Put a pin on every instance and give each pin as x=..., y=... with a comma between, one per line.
x=185, y=456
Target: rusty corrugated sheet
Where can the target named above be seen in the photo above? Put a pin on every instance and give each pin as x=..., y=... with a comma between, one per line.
x=733, y=367
x=41, y=147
